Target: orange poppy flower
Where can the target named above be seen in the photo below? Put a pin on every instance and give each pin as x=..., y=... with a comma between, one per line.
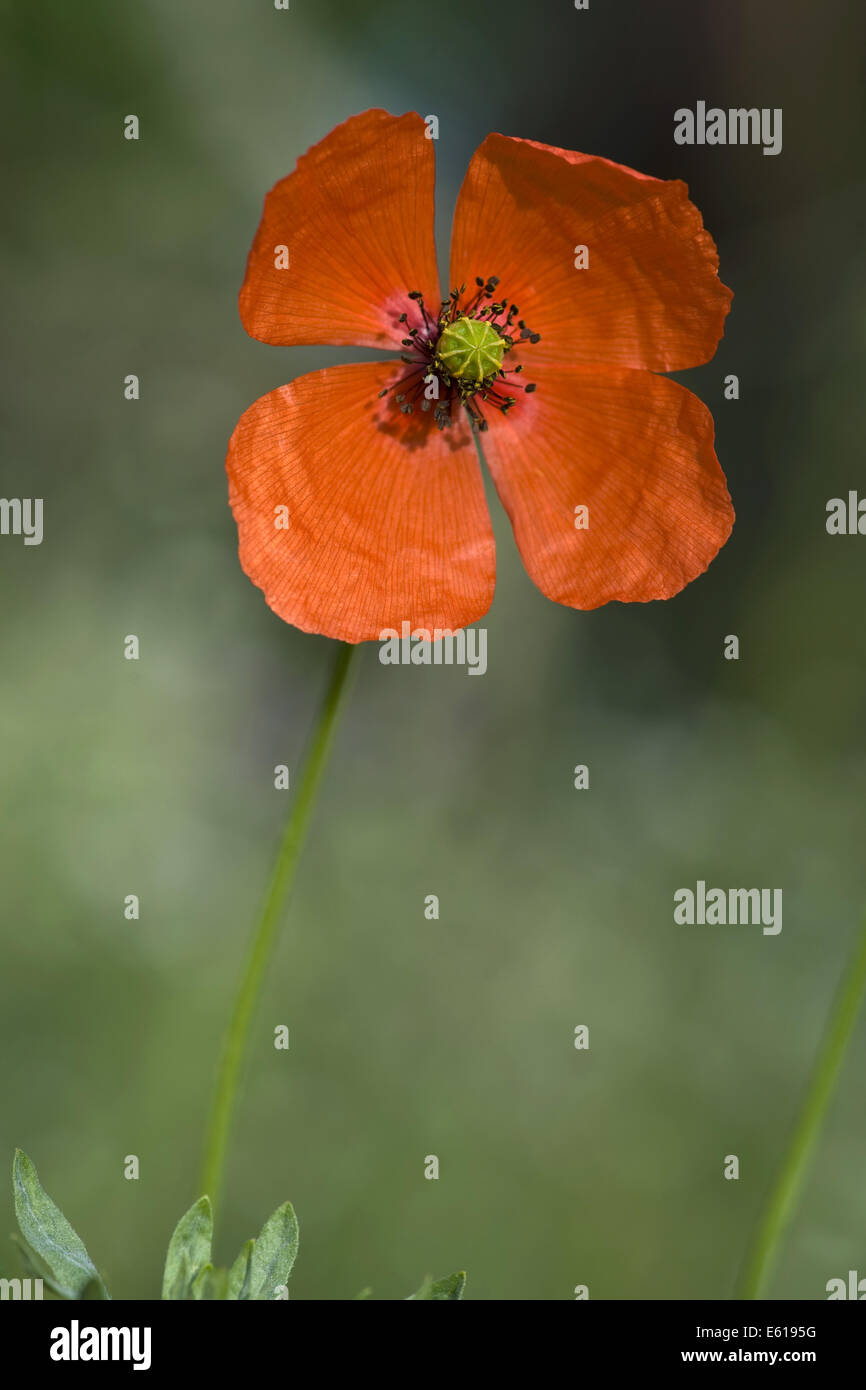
x=357, y=490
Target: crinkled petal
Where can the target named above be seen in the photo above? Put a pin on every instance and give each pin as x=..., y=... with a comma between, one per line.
x=650, y=296
x=636, y=450
x=387, y=520
x=356, y=219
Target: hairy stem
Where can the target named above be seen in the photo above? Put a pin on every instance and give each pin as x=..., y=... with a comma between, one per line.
x=265, y=935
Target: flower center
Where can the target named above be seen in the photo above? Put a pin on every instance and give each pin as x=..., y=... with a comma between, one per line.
x=460, y=357
x=470, y=350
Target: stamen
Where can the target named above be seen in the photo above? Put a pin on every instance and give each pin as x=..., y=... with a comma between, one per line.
x=465, y=349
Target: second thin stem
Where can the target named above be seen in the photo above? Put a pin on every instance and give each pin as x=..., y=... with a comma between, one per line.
x=790, y=1178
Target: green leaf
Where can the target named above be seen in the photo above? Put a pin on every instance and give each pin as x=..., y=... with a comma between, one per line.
x=33, y=1266
x=445, y=1290
x=273, y=1254
x=200, y=1285
x=48, y=1237
x=188, y=1250
x=239, y=1274
x=209, y=1284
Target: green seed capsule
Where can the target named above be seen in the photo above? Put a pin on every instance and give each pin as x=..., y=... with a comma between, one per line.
x=470, y=350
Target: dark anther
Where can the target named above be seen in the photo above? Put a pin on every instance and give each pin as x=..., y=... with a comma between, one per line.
x=483, y=307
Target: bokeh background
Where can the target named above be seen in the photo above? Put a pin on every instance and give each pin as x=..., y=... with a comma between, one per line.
x=411, y=1037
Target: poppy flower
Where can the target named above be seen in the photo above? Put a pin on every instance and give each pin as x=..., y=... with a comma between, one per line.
x=357, y=490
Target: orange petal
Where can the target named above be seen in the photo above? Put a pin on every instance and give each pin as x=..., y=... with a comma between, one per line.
x=651, y=296
x=637, y=451
x=356, y=217
x=387, y=520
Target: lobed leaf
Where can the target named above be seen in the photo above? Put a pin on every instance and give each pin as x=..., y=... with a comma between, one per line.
x=209, y=1284
x=239, y=1274
x=443, y=1290
x=273, y=1254
x=48, y=1240
x=188, y=1250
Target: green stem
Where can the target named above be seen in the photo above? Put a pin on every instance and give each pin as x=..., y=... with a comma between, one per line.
x=790, y=1178
x=264, y=937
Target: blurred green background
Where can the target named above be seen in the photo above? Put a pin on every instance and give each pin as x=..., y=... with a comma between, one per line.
x=410, y=1037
